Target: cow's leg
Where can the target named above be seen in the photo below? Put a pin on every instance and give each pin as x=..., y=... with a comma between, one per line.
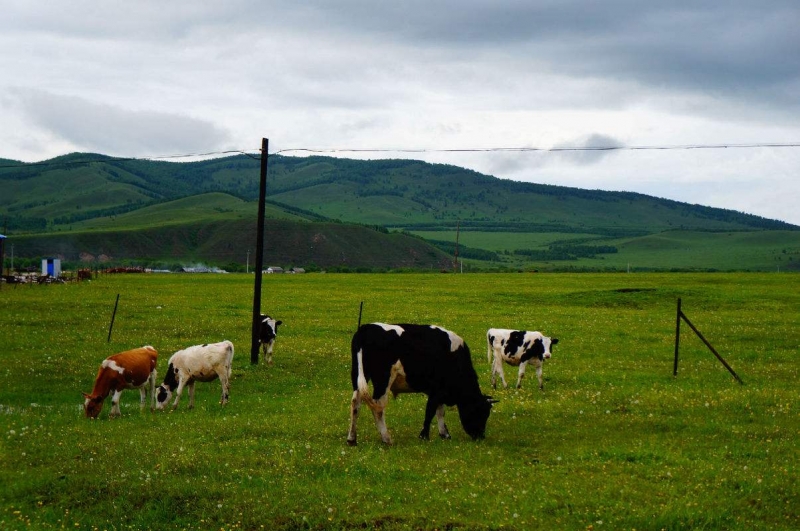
x=191, y=394
x=431, y=409
x=378, y=411
x=355, y=405
x=521, y=373
x=142, y=396
x=115, y=412
x=443, y=432
x=178, y=391
x=539, y=375
x=224, y=381
x=498, y=367
x=494, y=371
x=269, y=352
x=152, y=386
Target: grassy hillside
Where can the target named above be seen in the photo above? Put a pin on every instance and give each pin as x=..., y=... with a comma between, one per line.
x=227, y=243
x=507, y=224
x=395, y=193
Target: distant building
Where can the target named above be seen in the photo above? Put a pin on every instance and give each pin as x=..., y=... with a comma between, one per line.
x=202, y=269
x=298, y=270
x=274, y=270
x=51, y=267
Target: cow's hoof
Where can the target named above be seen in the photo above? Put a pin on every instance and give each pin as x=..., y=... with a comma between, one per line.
x=424, y=436
x=445, y=436
x=352, y=443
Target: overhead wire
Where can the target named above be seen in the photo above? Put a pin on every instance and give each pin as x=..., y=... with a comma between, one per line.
x=522, y=149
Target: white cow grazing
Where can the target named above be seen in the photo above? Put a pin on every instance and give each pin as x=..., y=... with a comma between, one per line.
x=200, y=363
x=517, y=348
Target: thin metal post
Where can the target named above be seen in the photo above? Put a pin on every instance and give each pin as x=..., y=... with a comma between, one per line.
x=113, y=316
x=360, y=309
x=696, y=331
x=677, y=338
x=455, y=256
x=262, y=194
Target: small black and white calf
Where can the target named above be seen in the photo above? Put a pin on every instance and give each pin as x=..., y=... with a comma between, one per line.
x=266, y=336
x=517, y=348
x=412, y=358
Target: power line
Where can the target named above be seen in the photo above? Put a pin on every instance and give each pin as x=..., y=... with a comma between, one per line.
x=247, y=153
x=545, y=150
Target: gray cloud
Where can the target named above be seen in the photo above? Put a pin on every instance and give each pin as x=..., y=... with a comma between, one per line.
x=145, y=77
x=109, y=129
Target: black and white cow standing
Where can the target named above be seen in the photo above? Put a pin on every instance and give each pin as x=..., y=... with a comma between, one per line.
x=200, y=363
x=266, y=336
x=412, y=358
x=517, y=348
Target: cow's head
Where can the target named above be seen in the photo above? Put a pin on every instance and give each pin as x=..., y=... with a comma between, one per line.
x=269, y=328
x=474, y=415
x=163, y=394
x=548, y=345
x=92, y=405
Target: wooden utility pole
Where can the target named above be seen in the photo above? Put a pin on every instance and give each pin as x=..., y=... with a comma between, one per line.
x=262, y=195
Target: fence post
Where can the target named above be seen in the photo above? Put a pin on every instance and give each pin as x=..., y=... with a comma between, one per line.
x=677, y=338
x=113, y=316
x=682, y=315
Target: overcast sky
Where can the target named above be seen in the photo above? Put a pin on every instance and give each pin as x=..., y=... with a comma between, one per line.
x=154, y=78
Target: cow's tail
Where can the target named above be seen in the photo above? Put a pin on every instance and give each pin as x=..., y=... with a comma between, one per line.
x=489, y=349
x=357, y=376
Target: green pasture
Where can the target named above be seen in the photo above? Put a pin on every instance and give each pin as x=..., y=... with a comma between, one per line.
x=613, y=442
x=679, y=250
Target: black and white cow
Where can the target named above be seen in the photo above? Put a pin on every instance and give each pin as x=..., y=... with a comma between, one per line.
x=266, y=336
x=517, y=348
x=200, y=363
x=412, y=358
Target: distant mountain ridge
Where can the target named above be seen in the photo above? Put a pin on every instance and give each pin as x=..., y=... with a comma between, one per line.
x=392, y=193
x=339, y=213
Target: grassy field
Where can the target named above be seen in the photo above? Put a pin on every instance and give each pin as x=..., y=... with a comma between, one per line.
x=671, y=250
x=613, y=441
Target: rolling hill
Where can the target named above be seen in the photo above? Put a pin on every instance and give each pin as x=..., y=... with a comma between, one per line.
x=503, y=223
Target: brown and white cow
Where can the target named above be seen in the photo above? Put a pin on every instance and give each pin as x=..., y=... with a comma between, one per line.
x=132, y=369
x=200, y=363
x=517, y=348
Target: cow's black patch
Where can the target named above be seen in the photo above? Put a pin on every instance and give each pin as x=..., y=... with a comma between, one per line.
x=536, y=350
x=515, y=341
x=162, y=394
x=169, y=379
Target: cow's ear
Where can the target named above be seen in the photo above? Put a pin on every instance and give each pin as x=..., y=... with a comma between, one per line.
x=278, y=323
x=554, y=341
x=86, y=396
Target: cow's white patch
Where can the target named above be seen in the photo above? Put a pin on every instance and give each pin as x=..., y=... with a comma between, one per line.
x=111, y=364
x=455, y=340
x=397, y=329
